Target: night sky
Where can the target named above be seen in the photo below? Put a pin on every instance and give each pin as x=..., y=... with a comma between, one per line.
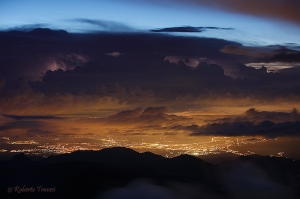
x=151, y=75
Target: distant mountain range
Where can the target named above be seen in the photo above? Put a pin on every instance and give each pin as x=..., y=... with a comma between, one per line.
x=112, y=172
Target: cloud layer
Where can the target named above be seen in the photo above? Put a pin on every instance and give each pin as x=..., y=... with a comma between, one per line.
x=188, y=29
x=144, y=82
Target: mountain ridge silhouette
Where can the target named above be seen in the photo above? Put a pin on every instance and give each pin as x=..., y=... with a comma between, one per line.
x=86, y=174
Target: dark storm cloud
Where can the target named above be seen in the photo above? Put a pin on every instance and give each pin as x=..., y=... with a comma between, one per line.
x=20, y=125
x=246, y=51
x=284, y=55
x=255, y=116
x=154, y=111
x=48, y=33
x=264, y=83
x=125, y=42
x=30, y=117
x=265, y=128
x=79, y=65
x=27, y=127
x=252, y=123
x=155, y=73
x=266, y=54
x=69, y=61
x=126, y=115
x=151, y=117
x=287, y=10
x=142, y=57
x=30, y=54
x=147, y=71
x=190, y=128
x=276, y=58
x=188, y=29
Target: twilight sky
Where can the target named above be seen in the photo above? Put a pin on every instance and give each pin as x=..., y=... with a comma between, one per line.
x=125, y=67
x=254, y=22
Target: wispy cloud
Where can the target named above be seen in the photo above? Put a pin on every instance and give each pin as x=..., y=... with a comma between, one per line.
x=188, y=29
x=105, y=25
x=30, y=117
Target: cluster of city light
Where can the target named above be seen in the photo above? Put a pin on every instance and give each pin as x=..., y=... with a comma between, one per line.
x=69, y=144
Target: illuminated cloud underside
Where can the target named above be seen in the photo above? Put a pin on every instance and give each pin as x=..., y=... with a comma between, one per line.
x=165, y=85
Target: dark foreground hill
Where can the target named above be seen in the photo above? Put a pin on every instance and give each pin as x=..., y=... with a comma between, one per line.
x=124, y=173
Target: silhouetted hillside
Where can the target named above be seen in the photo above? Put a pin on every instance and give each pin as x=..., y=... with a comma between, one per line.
x=21, y=160
x=183, y=165
x=98, y=174
x=119, y=157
